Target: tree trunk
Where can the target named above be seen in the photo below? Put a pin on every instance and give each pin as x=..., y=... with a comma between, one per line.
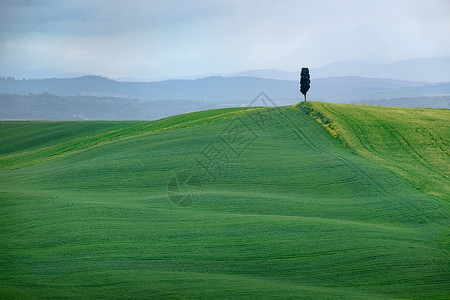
x=305, y=96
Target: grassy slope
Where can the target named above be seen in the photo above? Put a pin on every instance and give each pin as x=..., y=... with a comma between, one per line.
x=34, y=144
x=411, y=141
x=295, y=215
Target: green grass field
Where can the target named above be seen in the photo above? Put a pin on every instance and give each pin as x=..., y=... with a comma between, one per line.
x=286, y=211
x=412, y=142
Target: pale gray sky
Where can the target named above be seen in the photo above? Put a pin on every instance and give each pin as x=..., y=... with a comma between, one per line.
x=160, y=39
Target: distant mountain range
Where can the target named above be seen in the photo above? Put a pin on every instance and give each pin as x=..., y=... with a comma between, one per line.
x=62, y=108
x=229, y=90
x=415, y=83
x=58, y=108
x=435, y=69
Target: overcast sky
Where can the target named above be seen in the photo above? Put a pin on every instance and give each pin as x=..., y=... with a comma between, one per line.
x=159, y=39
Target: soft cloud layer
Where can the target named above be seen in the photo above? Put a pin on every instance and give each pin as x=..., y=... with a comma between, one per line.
x=164, y=38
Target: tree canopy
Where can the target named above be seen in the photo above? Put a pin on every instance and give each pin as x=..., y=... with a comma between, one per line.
x=304, y=81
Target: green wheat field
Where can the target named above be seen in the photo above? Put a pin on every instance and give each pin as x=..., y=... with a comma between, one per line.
x=313, y=201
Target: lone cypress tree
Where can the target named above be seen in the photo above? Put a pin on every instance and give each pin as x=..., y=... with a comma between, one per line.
x=304, y=81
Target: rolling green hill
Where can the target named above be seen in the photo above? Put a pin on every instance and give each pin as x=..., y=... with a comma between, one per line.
x=412, y=142
x=282, y=208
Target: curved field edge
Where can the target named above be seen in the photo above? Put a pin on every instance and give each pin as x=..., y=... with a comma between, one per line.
x=412, y=142
x=38, y=155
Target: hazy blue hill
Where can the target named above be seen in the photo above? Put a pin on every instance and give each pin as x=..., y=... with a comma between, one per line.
x=207, y=89
x=435, y=69
x=426, y=69
x=58, y=86
x=230, y=90
x=65, y=108
x=98, y=98
x=271, y=74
